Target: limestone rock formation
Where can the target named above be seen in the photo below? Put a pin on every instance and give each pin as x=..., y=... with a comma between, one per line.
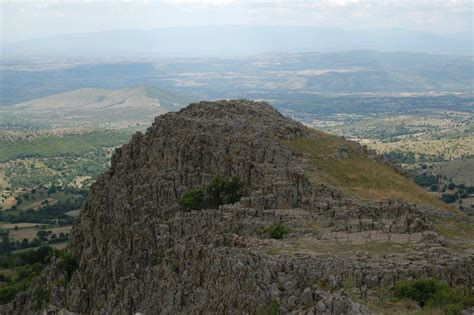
x=140, y=252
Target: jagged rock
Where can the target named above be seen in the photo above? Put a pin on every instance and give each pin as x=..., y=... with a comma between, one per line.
x=139, y=252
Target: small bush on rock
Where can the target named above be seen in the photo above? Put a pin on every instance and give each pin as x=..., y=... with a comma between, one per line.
x=271, y=308
x=157, y=258
x=224, y=190
x=277, y=231
x=192, y=199
x=40, y=299
x=9, y=291
x=66, y=263
x=448, y=198
x=432, y=293
x=220, y=191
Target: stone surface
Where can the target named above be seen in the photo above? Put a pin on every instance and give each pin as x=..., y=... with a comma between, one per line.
x=140, y=253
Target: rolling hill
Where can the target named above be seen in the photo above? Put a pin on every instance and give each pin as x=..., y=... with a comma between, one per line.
x=95, y=107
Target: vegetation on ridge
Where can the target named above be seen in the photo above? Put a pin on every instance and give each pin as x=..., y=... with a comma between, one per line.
x=340, y=163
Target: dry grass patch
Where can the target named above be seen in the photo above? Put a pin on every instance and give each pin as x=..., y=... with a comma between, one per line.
x=74, y=213
x=38, y=204
x=379, y=248
x=60, y=246
x=451, y=229
x=30, y=233
x=8, y=203
x=11, y=273
x=23, y=225
x=357, y=174
x=305, y=246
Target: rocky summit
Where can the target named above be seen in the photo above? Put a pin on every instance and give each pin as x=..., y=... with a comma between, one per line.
x=228, y=207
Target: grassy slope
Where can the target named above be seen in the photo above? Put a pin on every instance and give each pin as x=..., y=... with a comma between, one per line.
x=357, y=175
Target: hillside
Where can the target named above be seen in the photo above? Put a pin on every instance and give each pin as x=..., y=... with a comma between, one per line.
x=347, y=166
x=229, y=207
x=93, y=107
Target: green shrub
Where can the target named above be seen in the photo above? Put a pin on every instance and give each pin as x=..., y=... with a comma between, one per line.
x=271, y=308
x=40, y=298
x=432, y=293
x=9, y=291
x=66, y=262
x=28, y=265
x=420, y=290
x=220, y=191
x=224, y=190
x=193, y=199
x=453, y=309
x=4, y=278
x=448, y=198
x=277, y=231
x=157, y=258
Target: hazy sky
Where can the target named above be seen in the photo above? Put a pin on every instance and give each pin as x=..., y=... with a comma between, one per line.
x=31, y=19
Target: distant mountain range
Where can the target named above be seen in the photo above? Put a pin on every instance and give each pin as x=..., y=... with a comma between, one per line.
x=237, y=41
x=270, y=77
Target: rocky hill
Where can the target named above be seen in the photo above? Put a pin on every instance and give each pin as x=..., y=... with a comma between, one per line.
x=228, y=207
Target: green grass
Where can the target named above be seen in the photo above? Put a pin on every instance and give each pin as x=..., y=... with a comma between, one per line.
x=357, y=174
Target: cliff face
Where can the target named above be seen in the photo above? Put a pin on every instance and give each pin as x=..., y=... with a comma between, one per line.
x=138, y=251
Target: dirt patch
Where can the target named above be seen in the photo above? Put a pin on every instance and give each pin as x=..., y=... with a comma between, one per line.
x=9, y=202
x=11, y=226
x=30, y=233
x=38, y=204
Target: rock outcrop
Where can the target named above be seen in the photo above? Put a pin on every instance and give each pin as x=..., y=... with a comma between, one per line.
x=139, y=252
